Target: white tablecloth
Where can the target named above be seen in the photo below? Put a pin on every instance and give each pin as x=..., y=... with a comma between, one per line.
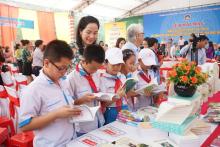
x=135, y=133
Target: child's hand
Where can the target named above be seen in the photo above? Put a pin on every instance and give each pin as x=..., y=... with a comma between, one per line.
x=89, y=97
x=67, y=111
x=147, y=92
x=121, y=92
x=131, y=93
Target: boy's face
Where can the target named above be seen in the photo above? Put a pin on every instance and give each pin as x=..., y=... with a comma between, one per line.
x=113, y=69
x=57, y=69
x=91, y=67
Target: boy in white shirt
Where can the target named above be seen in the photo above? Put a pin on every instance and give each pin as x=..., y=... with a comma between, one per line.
x=44, y=105
x=111, y=82
x=146, y=59
x=84, y=81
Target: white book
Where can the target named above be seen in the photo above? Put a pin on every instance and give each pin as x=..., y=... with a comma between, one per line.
x=174, y=113
x=148, y=87
x=196, y=98
x=87, y=114
x=105, y=96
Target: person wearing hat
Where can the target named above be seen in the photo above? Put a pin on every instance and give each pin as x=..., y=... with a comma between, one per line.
x=144, y=76
x=111, y=82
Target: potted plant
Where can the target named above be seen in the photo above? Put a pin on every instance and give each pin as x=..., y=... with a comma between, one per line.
x=186, y=76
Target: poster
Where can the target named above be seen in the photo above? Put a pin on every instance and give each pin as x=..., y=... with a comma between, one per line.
x=113, y=31
x=182, y=23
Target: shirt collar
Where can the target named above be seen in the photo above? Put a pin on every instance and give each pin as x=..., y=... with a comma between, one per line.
x=82, y=72
x=42, y=74
x=107, y=75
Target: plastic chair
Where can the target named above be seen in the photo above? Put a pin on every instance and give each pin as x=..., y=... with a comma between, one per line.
x=6, y=122
x=22, y=140
x=7, y=79
x=4, y=137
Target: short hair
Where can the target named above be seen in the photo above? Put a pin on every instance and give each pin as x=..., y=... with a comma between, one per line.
x=38, y=43
x=84, y=21
x=118, y=41
x=132, y=30
x=146, y=39
x=95, y=53
x=17, y=46
x=57, y=49
x=151, y=42
x=202, y=38
x=127, y=53
x=25, y=42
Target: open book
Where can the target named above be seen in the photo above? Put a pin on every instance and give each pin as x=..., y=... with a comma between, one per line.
x=87, y=114
x=104, y=96
x=175, y=113
x=129, y=84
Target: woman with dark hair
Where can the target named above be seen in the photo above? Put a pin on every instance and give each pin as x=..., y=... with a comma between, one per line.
x=210, y=51
x=120, y=42
x=86, y=34
x=27, y=60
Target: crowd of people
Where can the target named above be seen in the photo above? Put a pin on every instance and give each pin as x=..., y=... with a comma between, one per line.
x=67, y=76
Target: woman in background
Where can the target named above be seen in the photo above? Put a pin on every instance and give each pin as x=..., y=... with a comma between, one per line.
x=120, y=42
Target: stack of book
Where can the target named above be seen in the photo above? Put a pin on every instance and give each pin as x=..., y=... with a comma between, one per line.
x=178, y=114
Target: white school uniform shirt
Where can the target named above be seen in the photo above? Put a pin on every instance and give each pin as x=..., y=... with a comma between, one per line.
x=133, y=47
x=108, y=84
x=78, y=87
x=142, y=100
x=39, y=98
x=38, y=57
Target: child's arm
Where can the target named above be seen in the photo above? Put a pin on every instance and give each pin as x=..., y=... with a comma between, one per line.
x=44, y=120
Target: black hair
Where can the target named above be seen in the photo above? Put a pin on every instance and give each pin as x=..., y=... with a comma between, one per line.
x=202, y=38
x=211, y=44
x=186, y=42
x=146, y=38
x=151, y=42
x=118, y=41
x=127, y=53
x=95, y=53
x=57, y=49
x=84, y=21
x=25, y=42
x=7, y=49
x=101, y=42
x=17, y=46
x=38, y=43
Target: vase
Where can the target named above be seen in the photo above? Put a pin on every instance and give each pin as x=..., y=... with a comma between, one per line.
x=184, y=90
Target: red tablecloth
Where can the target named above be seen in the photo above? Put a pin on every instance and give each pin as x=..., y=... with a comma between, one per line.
x=216, y=132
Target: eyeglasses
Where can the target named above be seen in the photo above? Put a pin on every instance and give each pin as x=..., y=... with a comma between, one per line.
x=60, y=68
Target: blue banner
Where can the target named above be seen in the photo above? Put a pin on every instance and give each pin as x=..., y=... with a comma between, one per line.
x=16, y=22
x=173, y=24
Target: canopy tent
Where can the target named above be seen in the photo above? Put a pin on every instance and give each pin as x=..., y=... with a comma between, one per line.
x=109, y=9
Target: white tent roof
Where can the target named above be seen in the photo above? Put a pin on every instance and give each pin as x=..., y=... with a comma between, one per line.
x=109, y=9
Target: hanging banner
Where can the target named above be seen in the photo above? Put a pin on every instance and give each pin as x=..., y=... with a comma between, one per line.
x=113, y=31
x=182, y=23
x=16, y=22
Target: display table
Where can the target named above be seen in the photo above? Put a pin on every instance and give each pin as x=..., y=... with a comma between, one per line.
x=104, y=135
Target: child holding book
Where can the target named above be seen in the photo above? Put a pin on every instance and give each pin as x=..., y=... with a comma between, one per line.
x=45, y=102
x=84, y=81
x=112, y=81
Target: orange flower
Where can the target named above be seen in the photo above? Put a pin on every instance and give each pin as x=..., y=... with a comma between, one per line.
x=198, y=70
x=193, y=63
x=188, y=68
x=194, y=80
x=172, y=73
x=184, y=79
